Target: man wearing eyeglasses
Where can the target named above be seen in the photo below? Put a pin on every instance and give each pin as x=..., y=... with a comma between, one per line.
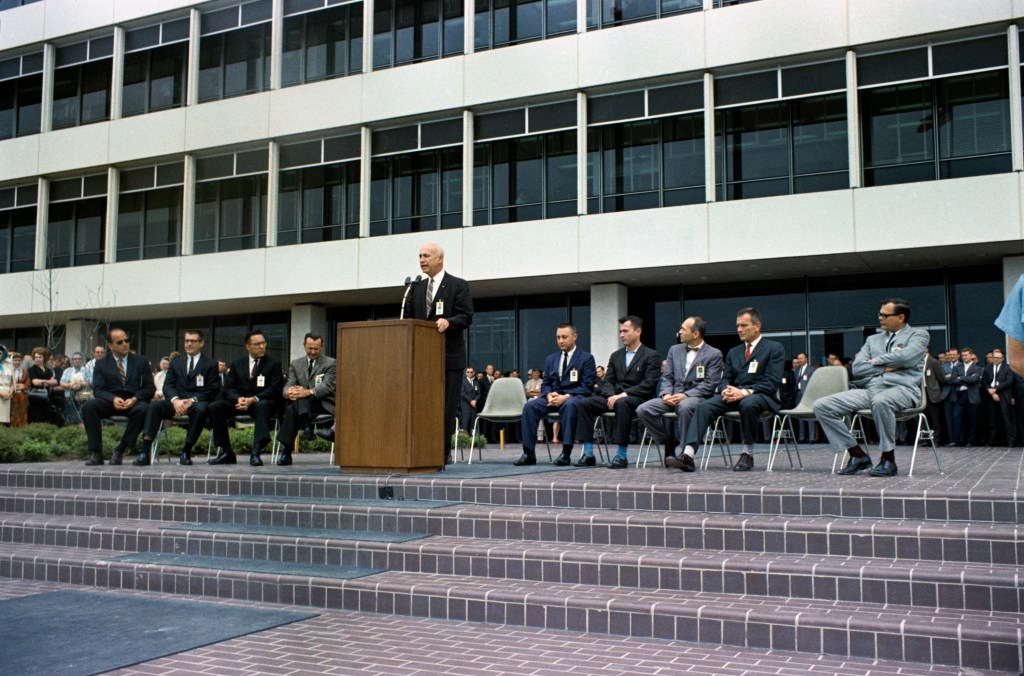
x=191, y=385
x=252, y=387
x=122, y=384
x=887, y=376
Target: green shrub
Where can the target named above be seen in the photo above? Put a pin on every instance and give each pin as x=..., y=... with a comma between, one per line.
x=70, y=441
x=112, y=437
x=35, y=450
x=465, y=440
x=41, y=432
x=10, y=444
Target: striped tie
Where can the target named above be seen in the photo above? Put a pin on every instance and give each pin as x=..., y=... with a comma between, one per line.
x=120, y=371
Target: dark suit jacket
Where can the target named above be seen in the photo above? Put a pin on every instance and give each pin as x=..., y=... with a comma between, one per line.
x=458, y=310
x=586, y=374
x=800, y=380
x=766, y=377
x=324, y=371
x=639, y=380
x=237, y=382
x=178, y=385
x=1006, y=380
x=934, y=379
x=106, y=381
x=471, y=392
x=969, y=376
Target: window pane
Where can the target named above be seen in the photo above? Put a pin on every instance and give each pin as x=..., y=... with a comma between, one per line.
x=819, y=135
x=683, y=151
x=210, y=74
x=89, y=232
x=130, y=216
x=974, y=115
x=65, y=97
x=167, y=76
x=133, y=93
x=96, y=90
x=23, y=239
x=897, y=128
x=163, y=223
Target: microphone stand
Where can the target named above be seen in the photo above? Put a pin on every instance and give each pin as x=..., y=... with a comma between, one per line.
x=409, y=281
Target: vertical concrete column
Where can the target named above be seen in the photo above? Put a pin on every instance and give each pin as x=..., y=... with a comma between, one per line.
x=1013, y=268
x=77, y=337
x=469, y=26
x=367, y=36
x=467, y=168
x=276, y=43
x=364, y=181
x=188, y=207
x=42, y=221
x=192, y=85
x=853, y=120
x=709, y=136
x=1017, y=144
x=49, y=59
x=607, y=304
x=113, y=204
x=117, y=78
x=581, y=16
x=709, y=5
x=306, y=319
x=581, y=153
x=273, y=190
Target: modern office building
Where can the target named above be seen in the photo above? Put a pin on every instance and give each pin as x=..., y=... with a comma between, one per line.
x=167, y=164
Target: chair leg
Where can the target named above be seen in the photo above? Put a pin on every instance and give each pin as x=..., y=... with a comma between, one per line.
x=472, y=440
x=645, y=449
x=273, y=444
x=456, y=446
x=931, y=440
x=796, y=444
x=785, y=440
x=773, y=445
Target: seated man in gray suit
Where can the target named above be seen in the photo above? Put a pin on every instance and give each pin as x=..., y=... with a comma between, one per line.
x=308, y=392
x=887, y=377
x=692, y=373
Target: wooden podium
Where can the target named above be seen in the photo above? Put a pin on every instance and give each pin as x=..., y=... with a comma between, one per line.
x=390, y=398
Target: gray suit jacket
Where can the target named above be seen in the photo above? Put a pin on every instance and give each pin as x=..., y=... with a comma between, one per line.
x=907, y=357
x=322, y=379
x=676, y=380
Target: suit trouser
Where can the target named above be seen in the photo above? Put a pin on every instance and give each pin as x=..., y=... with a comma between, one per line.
x=452, y=397
x=95, y=411
x=1009, y=418
x=261, y=413
x=592, y=407
x=294, y=411
x=467, y=414
x=650, y=415
x=947, y=412
x=162, y=409
x=534, y=412
x=883, y=400
x=965, y=419
x=750, y=409
x=936, y=414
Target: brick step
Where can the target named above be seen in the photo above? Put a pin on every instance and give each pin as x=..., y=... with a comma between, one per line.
x=802, y=494
x=856, y=579
x=984, y=542
x=975, y=639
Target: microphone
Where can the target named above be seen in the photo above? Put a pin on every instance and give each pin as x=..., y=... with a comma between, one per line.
x=409, y=281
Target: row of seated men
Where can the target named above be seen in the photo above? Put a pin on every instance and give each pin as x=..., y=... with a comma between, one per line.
x=699, y=384
x=254, y=386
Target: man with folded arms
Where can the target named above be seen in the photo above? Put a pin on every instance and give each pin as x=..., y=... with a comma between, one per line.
x=122, y=384
x=252, y=387
x=750, y=385
x=887, y=376
x=693, y=370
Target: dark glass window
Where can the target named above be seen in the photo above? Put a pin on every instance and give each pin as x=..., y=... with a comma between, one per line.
x=525, y=179
x=606, y=13
x=781, y=148
x=230, y=214
x=319, y=204
x=75, y=232
x=81, y=93
x=499, y=23
x=149, y=224
x=11, y=4
x=17, y=239
x=407, y=31
x=323, y=45
x=21, y=105
x=154, y=79
x=646, y=164
x=416, y=192
x=234, y=63
x=967, y=118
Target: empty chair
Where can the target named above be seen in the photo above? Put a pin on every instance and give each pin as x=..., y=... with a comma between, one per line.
x=824, y=381
x=505, y=402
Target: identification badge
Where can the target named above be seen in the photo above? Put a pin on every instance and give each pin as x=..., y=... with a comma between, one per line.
x=783, y=381
x=752, y=368
x=318, y=379
x=260, y=380
x=199, y=380
x=897, y=348
x=439, y=308
x=805, y=378
x=928, y=372
x=574, y=376
x=700, y=373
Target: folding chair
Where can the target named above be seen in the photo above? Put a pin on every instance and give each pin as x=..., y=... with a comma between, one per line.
x=505, y=402
x=176, y=421
x=717, y=432
x=601, y=434
x=825, y=381
x=647, y=441
x=322, y=420
x=924, y=430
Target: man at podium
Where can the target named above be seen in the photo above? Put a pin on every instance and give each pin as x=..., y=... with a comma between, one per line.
x=444, y=299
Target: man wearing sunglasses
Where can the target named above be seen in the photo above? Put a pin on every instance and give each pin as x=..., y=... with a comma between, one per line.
x=122, y=384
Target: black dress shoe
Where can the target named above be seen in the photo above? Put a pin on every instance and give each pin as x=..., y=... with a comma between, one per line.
x=96, y=459
x=223, y=458
x=586, y=461
x=525, y=459
x=744, y=464
x=117, y=458
x=884, y=468
x=284, y=460
x=255, y=461
x=686, y=463
x=856, y=465
x=142, y=460
x=184, y=459
x=307, y=434
x=563, y=460
x=618, y=462
x=326, y=435
x=670, y=446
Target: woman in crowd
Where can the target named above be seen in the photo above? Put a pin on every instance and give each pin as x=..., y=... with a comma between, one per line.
x=44, y=390
x=19, y=396
x=76, y=390
x=159, y=376
x=6, y=386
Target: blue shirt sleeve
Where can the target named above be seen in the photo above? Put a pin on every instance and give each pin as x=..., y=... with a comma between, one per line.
x=1011, y=319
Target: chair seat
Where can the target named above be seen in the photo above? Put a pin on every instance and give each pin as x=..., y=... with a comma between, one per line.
x=180, y=420
x=800, y=411
x=735, y=415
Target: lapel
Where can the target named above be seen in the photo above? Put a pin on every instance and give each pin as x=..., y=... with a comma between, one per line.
x=626, y=369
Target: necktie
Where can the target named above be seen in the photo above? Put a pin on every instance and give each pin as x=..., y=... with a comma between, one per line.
x=120, y=371
x=561, y=369
x=430, y=293
x=309, y=370
x=888, y=345
x=188, y=374
x=255, y=365
x=747, y=357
